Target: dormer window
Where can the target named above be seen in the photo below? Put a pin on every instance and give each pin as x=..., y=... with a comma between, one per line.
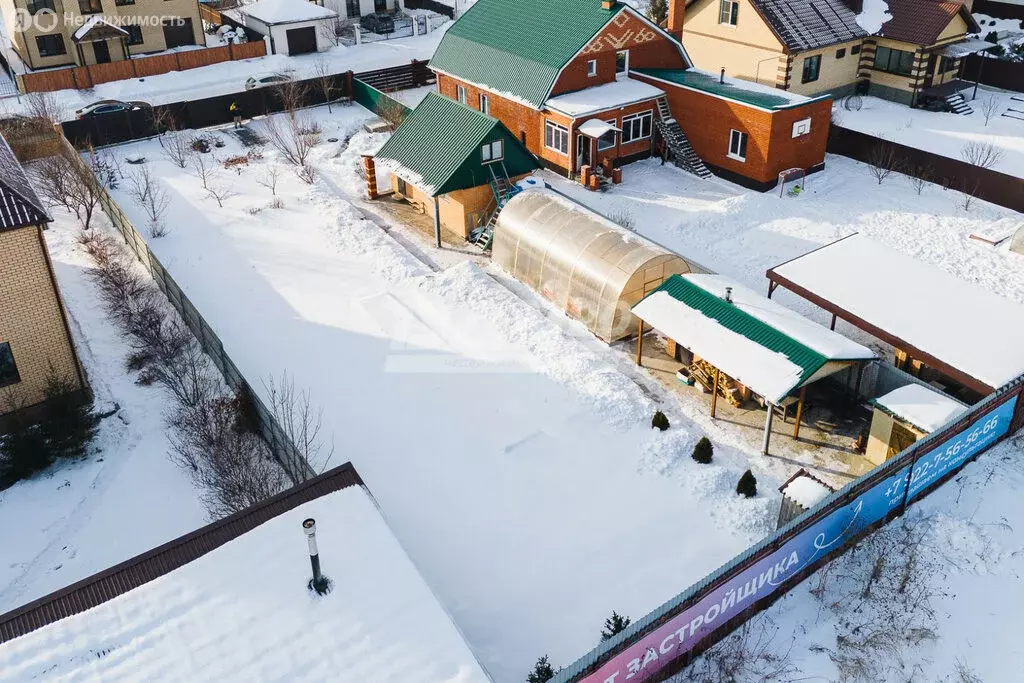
x=728, y=12
x=592, y=68
x=491, y=151
x=621, y=62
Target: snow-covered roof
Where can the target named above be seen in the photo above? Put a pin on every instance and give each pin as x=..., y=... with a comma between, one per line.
x=602, y=97
x=285, y=11
x=753, y=340
x=805, y=490
x=243, y=612
x=922, y=407
x=97, y=28
x=959, y=324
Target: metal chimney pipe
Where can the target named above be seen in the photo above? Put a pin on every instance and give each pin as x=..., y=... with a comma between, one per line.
x=728, y=295
x=309, y=526
x=721, y=75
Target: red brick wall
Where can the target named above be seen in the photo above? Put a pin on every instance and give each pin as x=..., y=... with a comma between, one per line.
x=630, y=148
x=647, y=49
x=518, y=118
x=707, y=120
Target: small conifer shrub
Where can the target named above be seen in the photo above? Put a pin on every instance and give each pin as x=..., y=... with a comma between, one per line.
x=703, y=451
x=613, y=624
x=542, y=671
x=747, y=485
x=659, y=421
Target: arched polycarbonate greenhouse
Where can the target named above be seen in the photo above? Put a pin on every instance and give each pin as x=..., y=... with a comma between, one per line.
x=587, y=265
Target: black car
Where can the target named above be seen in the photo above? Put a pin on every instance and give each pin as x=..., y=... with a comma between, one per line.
x=378, y=23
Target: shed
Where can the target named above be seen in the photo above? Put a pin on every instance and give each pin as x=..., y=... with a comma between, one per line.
x=800, y=493
x=905, y=415
x=295, y=27
x=587, y=265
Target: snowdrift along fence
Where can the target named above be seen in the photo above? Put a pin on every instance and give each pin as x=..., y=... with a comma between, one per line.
x=663, y=642
x=83, y=77
x=283, y=449
x=953, y=174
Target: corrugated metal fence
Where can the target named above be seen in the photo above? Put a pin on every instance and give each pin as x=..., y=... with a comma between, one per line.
x=283, y=449
x=662, y=643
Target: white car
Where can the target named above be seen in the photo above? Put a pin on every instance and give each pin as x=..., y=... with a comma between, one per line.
x=273, y=79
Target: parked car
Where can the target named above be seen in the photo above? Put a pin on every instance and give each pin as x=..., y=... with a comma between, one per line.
x=273, y=79
x=378, y=23
x=109, y=107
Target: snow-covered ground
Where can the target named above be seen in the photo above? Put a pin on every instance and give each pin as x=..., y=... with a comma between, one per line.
x=126, y=496
x=510, y=452
x=229, y=77
x=943, y=132
x=413, y=96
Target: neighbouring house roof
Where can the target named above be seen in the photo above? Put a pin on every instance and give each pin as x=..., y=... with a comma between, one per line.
x=437, y=147
x=602, y=97
x=922, y=407
x=284, y=11
x=920, y=22
x=734, y=89
x=950, y=324
x=96, y=28
x=518, y=47
x=19, y=205
x=755, y=341
x=230, y=602
x=810, y=24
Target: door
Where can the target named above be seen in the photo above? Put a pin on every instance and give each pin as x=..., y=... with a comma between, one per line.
x=582, y=150
x=301, y=41
x=352, y=8
x=178, y=32
x=101, y=51
x=930, y=72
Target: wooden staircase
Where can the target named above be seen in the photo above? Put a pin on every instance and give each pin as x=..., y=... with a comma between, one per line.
x=682, y=153
x=957, y=104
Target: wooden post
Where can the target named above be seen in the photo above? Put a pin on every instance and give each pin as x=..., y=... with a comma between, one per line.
x=714, y=393
x=767, y=428
x=640, y=343
x=833, y=327
x=437, y=223
x=799, y=412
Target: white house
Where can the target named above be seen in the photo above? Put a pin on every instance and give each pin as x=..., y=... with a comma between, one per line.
x=295, y=27
x=353, y=9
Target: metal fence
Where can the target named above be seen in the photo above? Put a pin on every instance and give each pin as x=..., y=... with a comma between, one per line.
x=662, y=643
x=1000, y=73
x=283, y=449
x=375, y=100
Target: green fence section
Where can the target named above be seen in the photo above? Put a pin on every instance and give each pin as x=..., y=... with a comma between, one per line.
x=375, y=100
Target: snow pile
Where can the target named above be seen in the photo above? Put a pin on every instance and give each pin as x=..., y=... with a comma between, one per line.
x=281, y=11
x=244, y=612
x=922, y=407
x=873, y=14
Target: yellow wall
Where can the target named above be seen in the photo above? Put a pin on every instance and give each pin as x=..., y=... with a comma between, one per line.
x=878, y=437
x=893, y=80
x=30, y=317
x=834, y=73
x=454, y=208
x=739, y=49
x=956, y=29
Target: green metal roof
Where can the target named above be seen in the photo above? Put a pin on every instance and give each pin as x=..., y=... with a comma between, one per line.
x=753, y=95
x=440, y=142
x=736, y=320
x=519, y=46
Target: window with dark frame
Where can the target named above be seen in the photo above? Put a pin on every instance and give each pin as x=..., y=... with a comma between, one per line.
x=39, y=5
x=8, y=368
x=122, y=3
x=728, y=12
x=380, y=5
x=491, y=151
x=637, y=126
x=900, y=62
x=607, y=141
x=90, y=6
x=840, y=53
x=50, y=46
x=855, y=49
x=812, y=68
x=134, y=34
x=738, y=145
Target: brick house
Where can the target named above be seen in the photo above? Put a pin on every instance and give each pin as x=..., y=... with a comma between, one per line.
x=587, y=84
x=34, y=333
x=85, y=32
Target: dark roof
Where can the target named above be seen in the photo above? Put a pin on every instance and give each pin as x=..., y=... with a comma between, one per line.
x=440, y=142
x=19, y=205
x=519, y=46
x=121, y=578
x=733, y=89
x=921, y=21
x=810, y=24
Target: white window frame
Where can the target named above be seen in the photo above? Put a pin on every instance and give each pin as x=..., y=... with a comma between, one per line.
x=558, y=133
x=492, y=151
x=614, y=140
x=625, y=71
x=485, y=104
x=728, y=12
x=592, y=68
x=627, y=126
x=742, y=140
x=460, y=94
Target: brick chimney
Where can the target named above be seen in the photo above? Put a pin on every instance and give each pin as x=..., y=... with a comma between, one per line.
x=676, y=16
x=607, y=4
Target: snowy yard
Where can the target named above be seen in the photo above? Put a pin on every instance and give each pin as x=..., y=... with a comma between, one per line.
x=124, y=498
x=946, y=133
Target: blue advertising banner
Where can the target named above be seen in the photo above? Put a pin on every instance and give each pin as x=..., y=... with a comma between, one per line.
x=645, y=657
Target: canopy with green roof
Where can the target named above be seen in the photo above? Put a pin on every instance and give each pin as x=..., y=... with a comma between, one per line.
x=438, y=147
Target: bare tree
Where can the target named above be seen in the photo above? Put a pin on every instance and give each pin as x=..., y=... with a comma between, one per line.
x=294, y=136
x=301, y=423
x=177, y=148
x=882, y=160
x=62, y=183
x=920, y=176
x=45, y=105
x=306, y=173
x=747, y=654
x=293, y=95
x=269, y=178
x=981, y=154
x=391, y=112
x=969, y=190
x=220, y=192
x=203, y=171
x=989, y=105
x=323, y=80
x=140, y=183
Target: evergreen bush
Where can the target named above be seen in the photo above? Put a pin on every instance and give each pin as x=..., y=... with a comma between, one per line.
x=747, y=485
x=69, y=424
x=23, y=452
x=703, y=451
x=657, y=11
x=659, y=421
x=614, y=624
x=542, y=671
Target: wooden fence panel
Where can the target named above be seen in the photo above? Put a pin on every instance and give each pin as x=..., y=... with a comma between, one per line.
x=111, y=71
x=254, y=48
x=155, y=65
x=193, y=59
x=48, y=81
